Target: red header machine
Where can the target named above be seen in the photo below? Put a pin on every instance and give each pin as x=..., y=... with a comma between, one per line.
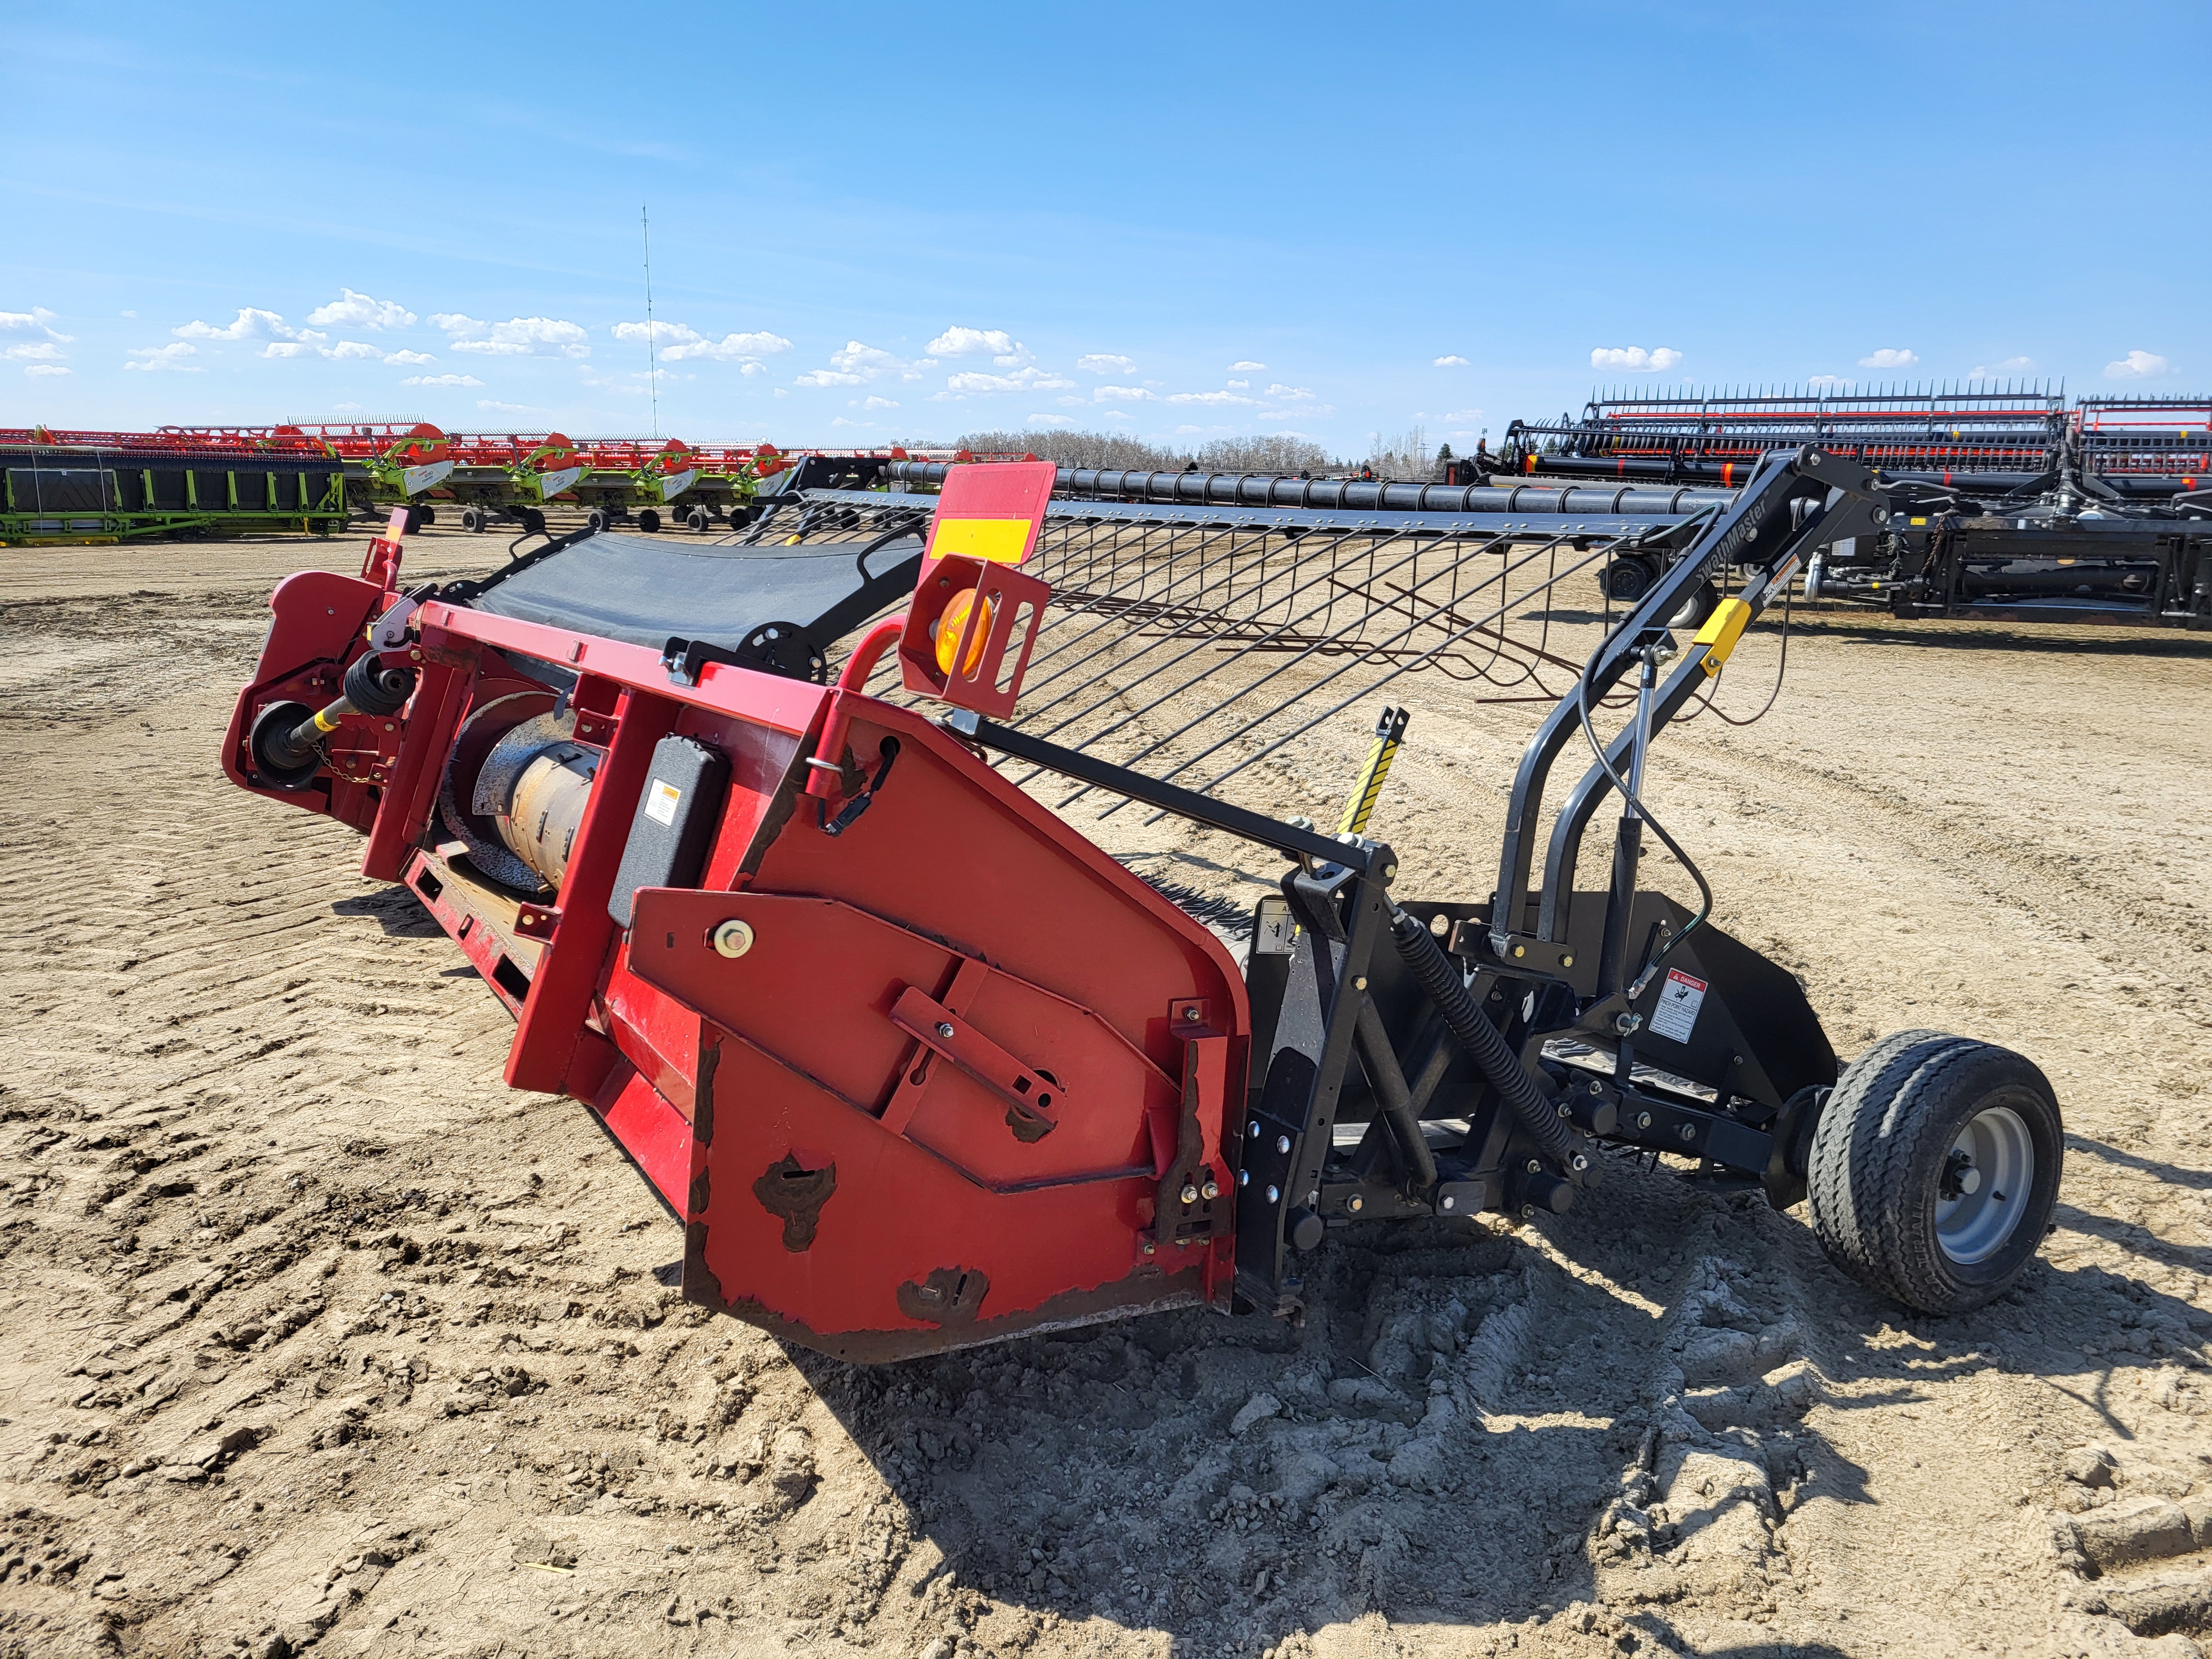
x=919, y=1065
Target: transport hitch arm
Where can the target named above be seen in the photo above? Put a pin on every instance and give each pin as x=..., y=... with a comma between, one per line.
x=1841, y=502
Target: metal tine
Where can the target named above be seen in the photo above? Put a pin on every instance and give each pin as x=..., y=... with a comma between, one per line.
x=1087, y=602
x=1366, y=690
x=1369, y=651
x=1138, y=714
x=1262, y=554
x=1095, y=607
x=1319, y=580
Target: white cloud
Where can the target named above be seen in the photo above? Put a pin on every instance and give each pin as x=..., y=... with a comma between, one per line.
x=675, y=341
x=150, y=358
x=1889, y=357
x=1246, y=366
x=441, y=380
x=1004, y=350
x=842, y=421
x=1122, y=394
x=345, y=349
x=358, y=309
x=2137, y=365
x=44, y=351
x=517, y=336
x=1453, y=361
x=781, y=392
x=345, y=408
x=1245, y=386
x=1462, y=415
x=1635, y=358
x=404, y=357
x=1214, y=397
x=1051, y=420
x=287, y=348
x=131, y=314
x=2009, y=366
x=1291, y=394
x=1022, y=379
x=510, y=408
x=250, y=324
x=859, y=363
x=1106, y=363
x=45, y=368
x=874, y=402
x=1830, y=383
x=37, y=321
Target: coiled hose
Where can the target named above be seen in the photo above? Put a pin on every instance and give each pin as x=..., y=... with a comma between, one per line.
x=1429, y=965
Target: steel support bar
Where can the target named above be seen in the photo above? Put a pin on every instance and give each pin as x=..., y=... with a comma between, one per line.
x=1766, y=502
x=1286, y=838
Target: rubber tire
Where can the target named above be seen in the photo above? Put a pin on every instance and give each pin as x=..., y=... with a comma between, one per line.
x=596, y=520
x=1879, y=1155
x=697, y=520
x=1627, y=580
x=648, y=520
x=1701, y=604
x=471, y=519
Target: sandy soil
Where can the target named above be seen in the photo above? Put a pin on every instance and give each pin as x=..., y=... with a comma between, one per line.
x=312, y=1338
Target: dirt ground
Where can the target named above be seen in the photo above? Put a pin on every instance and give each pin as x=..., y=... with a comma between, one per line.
x=314, y=1338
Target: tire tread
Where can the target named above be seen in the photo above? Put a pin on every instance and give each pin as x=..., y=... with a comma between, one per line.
x=1880, y=1127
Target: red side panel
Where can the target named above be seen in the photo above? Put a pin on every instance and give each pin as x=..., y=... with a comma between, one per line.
x=650, y=1130
x=865, y=1177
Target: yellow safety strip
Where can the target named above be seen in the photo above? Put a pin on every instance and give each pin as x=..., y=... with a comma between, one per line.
x=324, y=722
x=1002, y=541
x=1389, y=737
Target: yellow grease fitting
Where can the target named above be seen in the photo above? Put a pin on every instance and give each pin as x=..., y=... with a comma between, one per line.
x=1722, y=630
x=999, y=540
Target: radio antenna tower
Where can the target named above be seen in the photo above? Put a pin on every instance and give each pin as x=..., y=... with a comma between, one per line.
x=652, y=356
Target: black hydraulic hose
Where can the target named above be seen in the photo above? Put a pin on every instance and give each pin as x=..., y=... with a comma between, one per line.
x=1425, y=960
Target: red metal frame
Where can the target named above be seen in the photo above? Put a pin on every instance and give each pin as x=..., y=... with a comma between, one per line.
x=939, y=1099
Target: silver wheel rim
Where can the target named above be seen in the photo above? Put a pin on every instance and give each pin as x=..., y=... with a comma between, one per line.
x=1983, y=1190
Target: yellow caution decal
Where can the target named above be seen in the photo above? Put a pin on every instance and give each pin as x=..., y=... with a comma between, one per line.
x=1722, y=630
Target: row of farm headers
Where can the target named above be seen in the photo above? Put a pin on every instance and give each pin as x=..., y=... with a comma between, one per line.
x=2009, y=503
x=228, y=480
x=2138, y=447
x=2002, y=506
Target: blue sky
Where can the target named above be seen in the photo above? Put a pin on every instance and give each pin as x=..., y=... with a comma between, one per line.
x=875, y=222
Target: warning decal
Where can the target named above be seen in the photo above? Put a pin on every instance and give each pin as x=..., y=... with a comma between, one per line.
x=660, y=806
x=1680, y=999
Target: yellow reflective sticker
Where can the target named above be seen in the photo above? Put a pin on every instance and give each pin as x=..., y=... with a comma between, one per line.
x=1002, y=541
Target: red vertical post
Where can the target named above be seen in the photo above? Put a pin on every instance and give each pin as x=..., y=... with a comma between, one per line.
x=411, y=790
x=567, y=976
